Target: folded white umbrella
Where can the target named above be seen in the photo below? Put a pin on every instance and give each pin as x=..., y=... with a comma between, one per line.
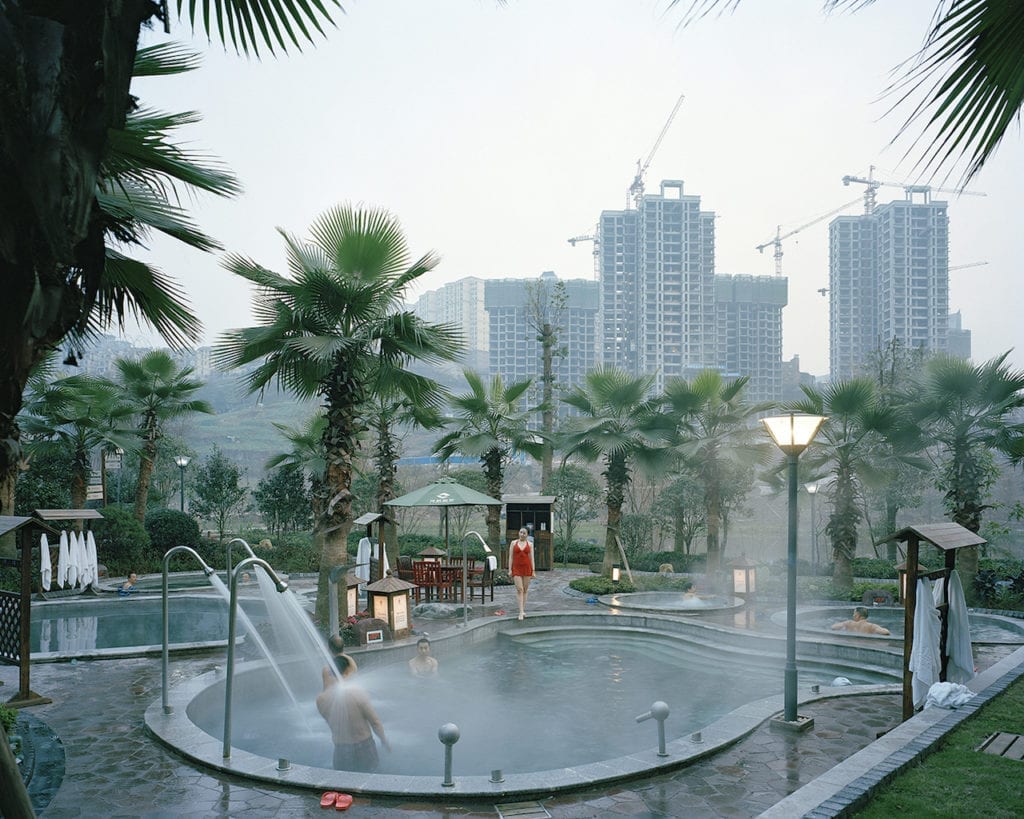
x=84, y=563
x=45, y=569
x=90, y=548
x=63, y=560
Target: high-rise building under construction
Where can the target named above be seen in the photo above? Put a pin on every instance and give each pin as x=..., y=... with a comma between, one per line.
x=888, y=279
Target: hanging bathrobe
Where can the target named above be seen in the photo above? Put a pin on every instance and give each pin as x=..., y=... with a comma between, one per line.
x=925, y=663
x=45, y=568
x=73, y=564
x=90, y=551
x=63, y=560
x=960, y=668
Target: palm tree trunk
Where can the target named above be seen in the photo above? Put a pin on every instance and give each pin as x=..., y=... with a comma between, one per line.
x=495, y=475
x=145, y=478
x=617, y=476
x=548, y=414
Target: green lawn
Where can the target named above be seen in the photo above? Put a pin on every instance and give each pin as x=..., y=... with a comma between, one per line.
x=959, y=781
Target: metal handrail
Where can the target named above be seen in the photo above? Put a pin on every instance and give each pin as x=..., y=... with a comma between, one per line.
x=233, y=540
x=208, y=572
x=232, y=618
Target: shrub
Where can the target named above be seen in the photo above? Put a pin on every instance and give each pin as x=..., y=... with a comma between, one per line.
x=858, y=589
x=8, y=716
x=600, y=585
x=168, y=528
x=123, y=543
x=873, y=567
x=290, y=553
x=681, y=562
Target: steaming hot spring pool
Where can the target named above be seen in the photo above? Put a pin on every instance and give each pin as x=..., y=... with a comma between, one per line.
x=985, y=628
x=128, y=626
x=539, y=701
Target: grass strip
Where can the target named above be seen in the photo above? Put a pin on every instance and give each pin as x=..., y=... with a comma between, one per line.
x=957, y=780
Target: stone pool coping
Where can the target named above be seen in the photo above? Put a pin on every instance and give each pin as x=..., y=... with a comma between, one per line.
x=851, y=784
x=181, y=735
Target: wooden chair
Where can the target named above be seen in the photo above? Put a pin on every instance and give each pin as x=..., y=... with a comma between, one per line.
x=482, y=580
x=444, y=581
x=423, y=577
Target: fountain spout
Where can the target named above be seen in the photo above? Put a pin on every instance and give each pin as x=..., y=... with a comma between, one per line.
x=282, y=587
x=487, y=550
x=245, y=545
x=207, y=571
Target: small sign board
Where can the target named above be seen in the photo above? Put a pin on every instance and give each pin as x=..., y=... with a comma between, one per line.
x=375, y=636
x=94, y=492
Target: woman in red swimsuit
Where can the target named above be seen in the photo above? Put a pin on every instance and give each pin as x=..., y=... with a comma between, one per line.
x=520, y=561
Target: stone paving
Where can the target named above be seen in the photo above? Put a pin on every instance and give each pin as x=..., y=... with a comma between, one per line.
x=112, y=767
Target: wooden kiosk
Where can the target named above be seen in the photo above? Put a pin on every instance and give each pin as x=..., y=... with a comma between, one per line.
x=947, y=537
x=535, y=513
x=15, y=606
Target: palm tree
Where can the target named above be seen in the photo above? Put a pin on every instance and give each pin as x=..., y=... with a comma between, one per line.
x=490, y=422
x=335, y=328
x=392, y=413
x=966, y=79
x=78, y=414
x=713, y=425
x=970, y=411
x=158, y=391
x=856, y=421
x=138, y=173
x=61, y=113
x=620, y=424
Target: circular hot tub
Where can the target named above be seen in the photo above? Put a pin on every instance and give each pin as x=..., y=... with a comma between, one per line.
x=670, y=602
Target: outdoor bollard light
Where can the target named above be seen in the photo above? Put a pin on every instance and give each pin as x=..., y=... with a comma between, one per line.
x=182, y=462
x=449, y=735
x=616, y=574
x=792, y=433
x=744, y=576
x=659, y=712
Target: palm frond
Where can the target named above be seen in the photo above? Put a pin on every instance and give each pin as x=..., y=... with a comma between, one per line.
x=246, y=25
x=164, y=59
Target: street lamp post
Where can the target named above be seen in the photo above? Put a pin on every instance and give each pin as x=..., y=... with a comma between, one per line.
x=182, y=462
x=791, y=434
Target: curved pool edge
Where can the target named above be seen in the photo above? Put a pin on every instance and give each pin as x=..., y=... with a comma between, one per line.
x=179, y=734
x=623, y=602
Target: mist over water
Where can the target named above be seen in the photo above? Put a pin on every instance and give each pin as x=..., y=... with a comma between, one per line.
x=556, y=701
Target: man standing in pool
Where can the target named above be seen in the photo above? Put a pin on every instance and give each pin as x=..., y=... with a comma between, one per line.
x=860, y=623
x=346, y=708
x=520, y=563
x=423, y=665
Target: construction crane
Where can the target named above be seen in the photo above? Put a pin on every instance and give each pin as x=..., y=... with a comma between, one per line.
x=590, y=237
x=969, y=264
x=874, y=184
x=776, y=241
x=636, y=189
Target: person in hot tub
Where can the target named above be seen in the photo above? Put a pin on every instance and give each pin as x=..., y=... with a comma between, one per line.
x=860, y=623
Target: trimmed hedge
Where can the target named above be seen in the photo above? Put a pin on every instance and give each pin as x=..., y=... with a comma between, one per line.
x=168, y=528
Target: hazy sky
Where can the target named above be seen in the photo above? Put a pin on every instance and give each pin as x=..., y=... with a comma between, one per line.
x=495, y=133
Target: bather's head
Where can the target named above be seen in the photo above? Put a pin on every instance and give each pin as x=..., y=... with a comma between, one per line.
x=860, y=613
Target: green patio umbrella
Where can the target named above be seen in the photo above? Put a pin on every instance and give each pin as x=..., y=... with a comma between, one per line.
x=445, y=493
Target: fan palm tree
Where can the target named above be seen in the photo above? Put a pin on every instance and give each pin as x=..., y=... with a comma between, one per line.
x=856, y=421
x=970, y=411
x=491, y=422
x=61, y=110
x=966, y=84
x=713, y=428
x=138, y=172
x=78, y=414
x=158, y=391
x=335, y=328
x=621, y=425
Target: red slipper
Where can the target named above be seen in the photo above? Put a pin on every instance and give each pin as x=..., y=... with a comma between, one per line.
x=343, y=802
x=329, y=799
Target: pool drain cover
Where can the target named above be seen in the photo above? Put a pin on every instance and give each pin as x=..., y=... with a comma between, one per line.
x=523, y=810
